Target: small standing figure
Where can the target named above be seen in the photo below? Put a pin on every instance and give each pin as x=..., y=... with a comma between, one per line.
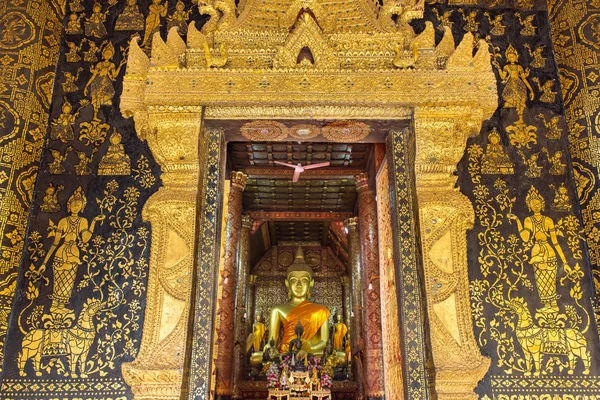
x=83, y=166
x=516, y=84
x=75, y=6
x=538, y=59
x=69, y=86
x=340, y=330
x=540, y=230
x=179, y=18
x=495, y=160
x=70, y=234
x=444, y=19
x=554, y=131
x=100, y=86
x=61, y=128
x=115, y=161
x=74, y=25
x=56, y=166
x=258, y=333
x=497, y=27
x=155, y=13
x=548, y=95
x=131, y=19
x=470, y=18
x=91, y=54
x=527, y=23
x=557, y=166
x=72, y=55
x=50, y=201
x=562, y=202
x=94, y=25
x=533, y=169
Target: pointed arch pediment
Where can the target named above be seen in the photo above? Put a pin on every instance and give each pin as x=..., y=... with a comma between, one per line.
x=306, y=34
x=323, y=18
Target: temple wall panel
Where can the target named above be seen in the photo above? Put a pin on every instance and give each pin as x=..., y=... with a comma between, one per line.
x=530, y=287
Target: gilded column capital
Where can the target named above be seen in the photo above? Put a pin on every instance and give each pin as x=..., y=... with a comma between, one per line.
x=238, y=180
x=247, y=222
x=351, y=223
x=252, y=279
x=345, y=280
x=362, y=181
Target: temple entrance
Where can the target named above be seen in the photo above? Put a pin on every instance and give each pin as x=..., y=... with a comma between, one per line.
x=303, y=204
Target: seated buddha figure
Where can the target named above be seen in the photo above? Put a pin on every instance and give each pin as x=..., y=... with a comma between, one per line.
x=313, y=317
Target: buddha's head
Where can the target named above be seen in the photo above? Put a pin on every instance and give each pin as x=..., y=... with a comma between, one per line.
x=299, y=279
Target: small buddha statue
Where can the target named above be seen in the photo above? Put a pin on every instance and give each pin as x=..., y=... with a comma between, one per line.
x=115, y=161
x=495, y=160
x=259, y=330
x=339, y=333
x=298, y=310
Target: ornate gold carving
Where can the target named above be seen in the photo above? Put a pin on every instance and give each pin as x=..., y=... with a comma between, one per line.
x=157, y=371
x=346, y=131
x=445, y=215
x=238, y=180
x=262, y=79
x=306, y=34
x=264, y=130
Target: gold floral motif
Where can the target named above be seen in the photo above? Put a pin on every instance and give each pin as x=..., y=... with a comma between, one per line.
x=346, y=131
x=264, y=130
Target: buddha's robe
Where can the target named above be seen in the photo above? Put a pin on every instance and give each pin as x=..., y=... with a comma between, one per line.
x=259, y=333
x=311, y=316
x=338, y=336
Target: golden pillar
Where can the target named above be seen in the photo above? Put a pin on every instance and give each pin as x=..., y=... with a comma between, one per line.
x=240, y=331
x=444, y=216
x=157, y=371
x=225, y=341
x=347, y=296
x=369, y=257
x=355, y=282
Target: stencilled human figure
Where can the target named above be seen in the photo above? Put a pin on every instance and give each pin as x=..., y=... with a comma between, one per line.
x=61, y=128
x=100, y=85
x=74, y=25
x=179, y=18
x=70, y=234
x=155, y=13
x=131, y=19
x=539, y=231
x=72, y=55
x=516, y=85
x=94, y=24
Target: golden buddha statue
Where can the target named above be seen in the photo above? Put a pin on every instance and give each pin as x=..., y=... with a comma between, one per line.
x=313, y=317
x=339, y=333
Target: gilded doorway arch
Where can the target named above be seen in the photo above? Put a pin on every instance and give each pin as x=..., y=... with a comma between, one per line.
x=221, y=74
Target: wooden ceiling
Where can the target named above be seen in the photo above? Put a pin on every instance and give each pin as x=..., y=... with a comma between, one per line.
x=320, y=191
x=252, y=154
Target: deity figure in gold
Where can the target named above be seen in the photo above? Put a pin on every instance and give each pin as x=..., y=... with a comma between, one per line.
x=61, y=128
x=179, y=18
x=495, y=160
x=340, y=329
x=70, y=234
x=100, y=85
x=50, y=201
x=131, y=19
x=299, y=309
x=94, y=25
x=115, y=161
x=256, y=338
x=74, y=25
x=156, y=12
x=516, y=84
x=540, y=230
